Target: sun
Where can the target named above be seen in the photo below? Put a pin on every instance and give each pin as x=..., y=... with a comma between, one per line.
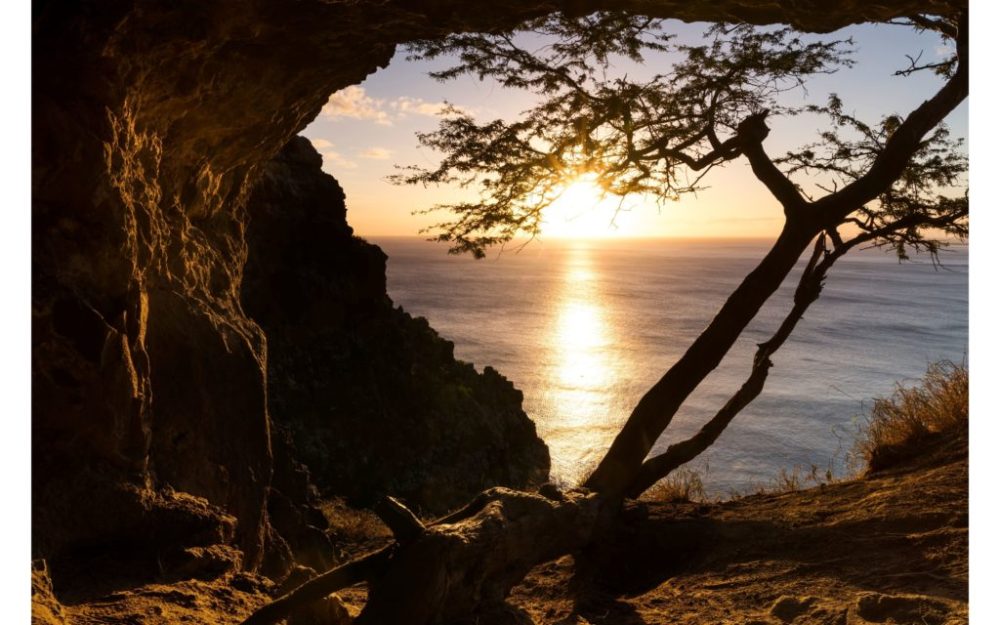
x=581, y=211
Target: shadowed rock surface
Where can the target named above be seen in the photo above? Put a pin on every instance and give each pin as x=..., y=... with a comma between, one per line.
x=374, y=398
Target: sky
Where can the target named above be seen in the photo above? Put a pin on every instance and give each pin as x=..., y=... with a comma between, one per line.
x=367, y=130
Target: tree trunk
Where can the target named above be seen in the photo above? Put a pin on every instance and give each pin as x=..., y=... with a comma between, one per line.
x=461, y=564
x=454, y=570
x=620, y=466
x=810, y=285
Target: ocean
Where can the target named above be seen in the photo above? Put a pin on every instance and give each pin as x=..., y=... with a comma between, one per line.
x=584, y=328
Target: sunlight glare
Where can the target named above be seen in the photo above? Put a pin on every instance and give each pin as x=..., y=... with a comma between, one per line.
x=581, y=212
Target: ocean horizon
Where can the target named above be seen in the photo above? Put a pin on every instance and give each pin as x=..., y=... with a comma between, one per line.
x=584, y=327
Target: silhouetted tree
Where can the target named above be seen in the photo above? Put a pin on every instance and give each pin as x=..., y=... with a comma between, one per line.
x=885, y=183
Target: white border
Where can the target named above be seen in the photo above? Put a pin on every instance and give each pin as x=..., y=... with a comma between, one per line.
x=984, y=336
x=15, y=261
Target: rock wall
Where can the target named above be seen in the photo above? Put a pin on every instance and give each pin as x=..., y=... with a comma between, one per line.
x=150, y=120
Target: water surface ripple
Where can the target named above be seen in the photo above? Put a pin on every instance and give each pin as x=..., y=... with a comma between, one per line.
x=583, y=328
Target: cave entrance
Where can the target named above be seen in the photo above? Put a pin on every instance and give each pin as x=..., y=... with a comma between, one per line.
x=558, y=319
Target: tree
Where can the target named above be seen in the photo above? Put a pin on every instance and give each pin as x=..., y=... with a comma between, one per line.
x=887, y=183
x=897, y=182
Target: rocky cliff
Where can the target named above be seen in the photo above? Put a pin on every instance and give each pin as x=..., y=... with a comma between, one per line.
x=150, y=123
x=374, y=398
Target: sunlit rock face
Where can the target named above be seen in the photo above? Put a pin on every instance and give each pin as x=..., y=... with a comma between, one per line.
x=151, y=120
x=374, y=398
x=148, y=121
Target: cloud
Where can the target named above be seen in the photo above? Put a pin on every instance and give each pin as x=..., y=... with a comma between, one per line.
x=944, y=51
x=379, y=154
x=321, y=144
x=335, y=159
x=354, y=103
x=418, y=106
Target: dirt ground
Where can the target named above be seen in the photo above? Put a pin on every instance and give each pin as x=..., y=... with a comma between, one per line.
x=891, y=548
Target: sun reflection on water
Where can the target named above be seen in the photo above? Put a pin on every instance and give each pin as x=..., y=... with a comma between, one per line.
x=580, y=338
x=579, y=343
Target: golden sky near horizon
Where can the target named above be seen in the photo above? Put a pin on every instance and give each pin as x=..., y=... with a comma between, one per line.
x=366, y=131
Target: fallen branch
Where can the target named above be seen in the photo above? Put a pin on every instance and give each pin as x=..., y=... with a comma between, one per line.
x=404, y=525
x=323, y=585
x=453, y=566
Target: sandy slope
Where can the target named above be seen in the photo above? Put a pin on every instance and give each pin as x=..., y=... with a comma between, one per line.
x=892, y=548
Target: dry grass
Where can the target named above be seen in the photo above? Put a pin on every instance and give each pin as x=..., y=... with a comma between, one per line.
x=787, y=481
x=900, y=426
x=353, y=531
x=798, y=478
x=680, y=486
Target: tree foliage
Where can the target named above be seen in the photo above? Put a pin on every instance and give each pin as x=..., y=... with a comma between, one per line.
x=926, y=197
x=659, y=136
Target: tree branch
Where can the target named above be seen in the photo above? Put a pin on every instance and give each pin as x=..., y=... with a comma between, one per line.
x=405, y=527
x=751, y=133
x=900, y=147
x=727, y=150
x=403, y=524
x=318, y=587
x=807, y=292
x=939, y=25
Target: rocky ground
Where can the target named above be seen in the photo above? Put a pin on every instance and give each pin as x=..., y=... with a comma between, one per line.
x=890, y=548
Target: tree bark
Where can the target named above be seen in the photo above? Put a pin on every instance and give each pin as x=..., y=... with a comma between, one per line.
x=453, y=570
